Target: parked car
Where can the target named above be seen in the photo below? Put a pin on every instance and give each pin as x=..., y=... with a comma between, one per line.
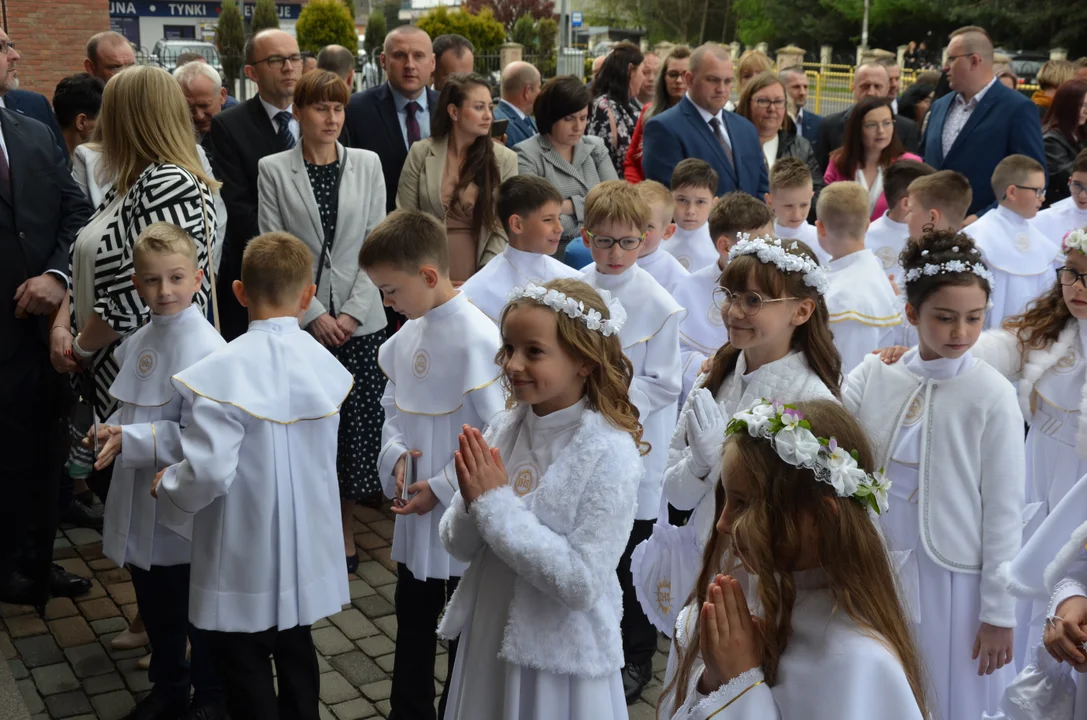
x=1026, y=65
x=166, y=52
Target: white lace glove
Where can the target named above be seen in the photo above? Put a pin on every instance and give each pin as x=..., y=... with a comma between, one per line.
x=705, y=431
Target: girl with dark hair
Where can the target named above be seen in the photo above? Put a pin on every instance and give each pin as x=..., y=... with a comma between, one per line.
x=455, y=173
x=1064, y=131
x=870, y=145
x=614, y=112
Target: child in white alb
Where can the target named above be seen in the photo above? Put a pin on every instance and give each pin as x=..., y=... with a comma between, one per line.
x=545, y=503
x=694, y=187
x=530, y=209
x=790, y=197
x=945, y=427
x=702, y=331
x=887, y=234
x=663, y=266
x=864, y=314
x=830, y=641
x=1064, y=216
x=1021, y=259
x=442, y=375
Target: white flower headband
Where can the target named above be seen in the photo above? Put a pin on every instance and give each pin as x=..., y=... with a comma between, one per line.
x=770, y=250
x=791, y=436
x=1075, y=240
x=575, y=309
x=951, y=266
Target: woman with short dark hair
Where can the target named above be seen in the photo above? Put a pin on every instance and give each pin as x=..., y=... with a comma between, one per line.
x=615, y=109
x=1064, y=132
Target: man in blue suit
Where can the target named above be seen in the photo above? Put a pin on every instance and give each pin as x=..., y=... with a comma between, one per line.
x=795, y=81
x=520, y=86
x=697, y=126
x=972, y=129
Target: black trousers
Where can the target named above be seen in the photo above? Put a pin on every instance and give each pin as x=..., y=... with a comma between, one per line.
x=245, y=671
x=419, y=603
x=162, y=596
x=639, y=635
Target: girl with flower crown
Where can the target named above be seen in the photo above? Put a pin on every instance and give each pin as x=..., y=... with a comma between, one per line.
x=545, y=505
x=945, y=428
x=830, y=640
x=780, y=345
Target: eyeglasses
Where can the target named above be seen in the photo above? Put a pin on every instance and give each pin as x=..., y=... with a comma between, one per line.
x=885, y=124
x=673, y=75
x=1067, y=276
x=1038, y=192
x=276, y=61
x=601, y=242
x=1077, y=188
x=6, y=45
x=767, y=102
x=750, y=302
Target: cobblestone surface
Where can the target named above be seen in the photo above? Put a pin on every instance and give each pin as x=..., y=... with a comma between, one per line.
x=65, y=667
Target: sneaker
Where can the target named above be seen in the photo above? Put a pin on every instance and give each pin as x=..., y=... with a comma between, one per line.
x=635, y=678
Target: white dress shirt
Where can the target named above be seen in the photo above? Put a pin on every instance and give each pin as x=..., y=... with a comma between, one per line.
x=707, y=116
x=959, y=114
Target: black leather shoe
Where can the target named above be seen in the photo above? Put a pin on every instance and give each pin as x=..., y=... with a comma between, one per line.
x=82, y=515
x=206, y=712
x=635, y=678
x=157, y=707
x=352, y=564
x=64, y=584
x=18, y=589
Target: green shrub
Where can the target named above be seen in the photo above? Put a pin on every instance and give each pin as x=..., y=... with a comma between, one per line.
x=325, y=22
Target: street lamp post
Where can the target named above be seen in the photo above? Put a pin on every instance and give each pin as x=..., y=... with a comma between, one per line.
x=864, y=26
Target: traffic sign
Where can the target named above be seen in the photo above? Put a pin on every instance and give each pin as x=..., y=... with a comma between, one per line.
x=575, y=19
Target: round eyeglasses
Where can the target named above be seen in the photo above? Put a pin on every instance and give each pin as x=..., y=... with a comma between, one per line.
x=749, y=301
x=600, y=242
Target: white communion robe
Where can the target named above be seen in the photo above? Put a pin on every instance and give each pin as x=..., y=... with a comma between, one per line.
x=864, y=314
x=650, y=339
x=484, y=685
x=258, y=481
x=832, y=669
x=489, y=288
x=1059, y=219
x=886, y=238
x=665, y=269
x=442, y=375
x=1021, y=259
x=805, y=233
x=702, y=331
x=694, y=249
x=151, y=416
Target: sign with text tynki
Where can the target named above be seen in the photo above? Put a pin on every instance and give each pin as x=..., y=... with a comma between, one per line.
x=192, y=10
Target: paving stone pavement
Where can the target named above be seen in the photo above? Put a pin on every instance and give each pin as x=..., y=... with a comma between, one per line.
x=65, y=668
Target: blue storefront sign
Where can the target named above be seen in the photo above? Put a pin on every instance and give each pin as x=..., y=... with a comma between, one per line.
x=188, y=10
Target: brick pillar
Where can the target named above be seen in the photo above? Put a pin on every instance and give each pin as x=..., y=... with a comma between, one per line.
x=52, y=38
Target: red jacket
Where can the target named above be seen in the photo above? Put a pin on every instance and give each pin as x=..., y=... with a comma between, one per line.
x=632, y=165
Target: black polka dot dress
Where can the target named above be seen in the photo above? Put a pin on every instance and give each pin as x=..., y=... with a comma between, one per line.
x=361, y=416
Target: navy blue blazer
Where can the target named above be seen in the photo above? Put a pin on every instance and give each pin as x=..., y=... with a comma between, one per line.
x=33, y=105
x=679, y=133
x=518, y=130
x=809, y=129
x=371, y=124
x=1004, y=123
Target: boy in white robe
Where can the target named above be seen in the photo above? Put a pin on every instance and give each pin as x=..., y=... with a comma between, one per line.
x=144, y=436
x=442, y=376
x=694, y=190
x=1021, y=259
x=864, y=314
x=702, y=331
x=615, y=222
x=887, y=235
x=790, y=198
x=663, y=266
x=530, y=209
x=258, y=489
x=1069, y=214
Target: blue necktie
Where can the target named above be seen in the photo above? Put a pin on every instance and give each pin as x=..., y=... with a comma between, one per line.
x=285, y=137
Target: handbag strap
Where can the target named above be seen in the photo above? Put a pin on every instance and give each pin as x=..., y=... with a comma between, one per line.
x=328, y=235
x=211, y=258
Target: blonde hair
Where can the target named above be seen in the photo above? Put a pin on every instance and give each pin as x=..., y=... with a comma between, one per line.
x=790, y=173
x=145, y=120
x=615, y=201
x=657, y=198
x=843, y=209
x=1055, y=73
x=1013, y=170
x=945, y=190
x=607, y=386
x=275, y=266
x=752, y=63
x=166, y=239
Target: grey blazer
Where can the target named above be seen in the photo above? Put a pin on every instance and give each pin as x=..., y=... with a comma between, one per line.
x=286, y=203
x=591, y=166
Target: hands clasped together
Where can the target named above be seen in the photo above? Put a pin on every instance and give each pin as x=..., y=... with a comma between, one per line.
x=729, y=636
x=1064, y=635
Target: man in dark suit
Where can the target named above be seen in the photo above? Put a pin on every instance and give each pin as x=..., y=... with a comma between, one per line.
x=697, y=126
x=795, y=81
x=24, y=102
x=982, y=122
x=240, y=137
x=41, y=211
x=520, y=86
x=206, y=96
x=388, y=118
x=869, y=80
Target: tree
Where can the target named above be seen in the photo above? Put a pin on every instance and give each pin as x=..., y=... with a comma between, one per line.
x=486, y=33
x=230, y=40
x=374, y=40
x=524, y=32
x=265, y=16
x=325, y=22
x=350, y=5
x=507, y=11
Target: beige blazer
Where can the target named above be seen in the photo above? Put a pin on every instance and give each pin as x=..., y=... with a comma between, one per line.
x=421, y=189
